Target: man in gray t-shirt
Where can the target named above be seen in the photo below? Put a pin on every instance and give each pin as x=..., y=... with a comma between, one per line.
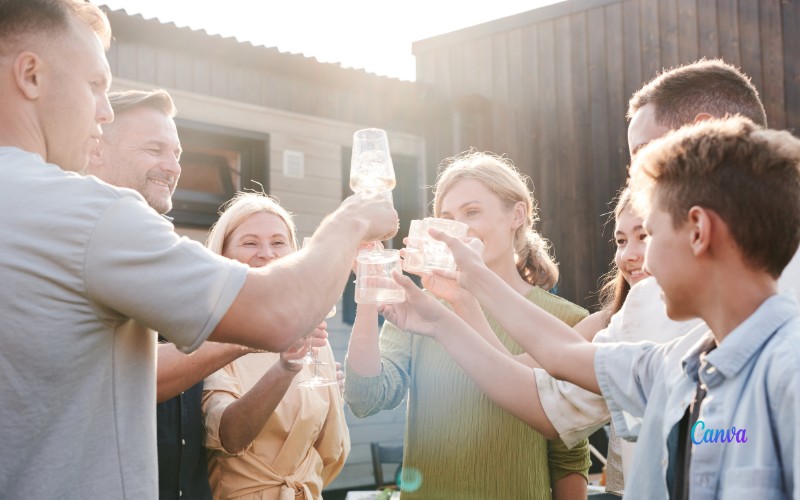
x=80, y=258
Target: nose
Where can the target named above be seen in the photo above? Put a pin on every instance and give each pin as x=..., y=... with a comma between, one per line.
x=266, y=252
x=173, y=167
x=105, y=114
x=631, y=252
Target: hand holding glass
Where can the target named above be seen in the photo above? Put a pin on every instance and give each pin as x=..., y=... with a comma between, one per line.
x=423, y=252
x=374, y=281
x=371, y=169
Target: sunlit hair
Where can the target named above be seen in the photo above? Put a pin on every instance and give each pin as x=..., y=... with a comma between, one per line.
x=615, y=287
x=747, y=175
x=240, y=208
x=706, y=86
x=498, y=174
x=22, y=18
x=123, y=101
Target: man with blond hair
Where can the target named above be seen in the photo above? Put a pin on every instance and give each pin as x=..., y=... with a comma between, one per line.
x=80, y=260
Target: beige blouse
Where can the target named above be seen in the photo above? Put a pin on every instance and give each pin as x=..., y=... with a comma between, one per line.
x=302, y=447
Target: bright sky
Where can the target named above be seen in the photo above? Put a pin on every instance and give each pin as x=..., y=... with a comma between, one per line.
x=374, y=35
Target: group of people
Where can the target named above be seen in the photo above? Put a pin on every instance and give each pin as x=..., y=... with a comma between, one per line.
x=695, y=354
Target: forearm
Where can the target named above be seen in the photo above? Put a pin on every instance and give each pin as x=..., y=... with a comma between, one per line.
x=244, y=419
x=363, y=353
x=570, y=487
x=176, y=371
x=267, y=314
x=559, y=349
x=507, y=382
x=470, y=311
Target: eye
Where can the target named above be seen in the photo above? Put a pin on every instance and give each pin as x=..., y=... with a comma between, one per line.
x=472, y=211
x=249, y=244
x=643, y=237
x=621, y=242
x=278, y=243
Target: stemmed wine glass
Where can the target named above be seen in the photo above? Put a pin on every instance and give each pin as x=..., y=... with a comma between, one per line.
x=312, y=355
x=371, y=168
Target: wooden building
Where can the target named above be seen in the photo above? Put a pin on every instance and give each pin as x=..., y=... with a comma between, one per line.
x=549, y=88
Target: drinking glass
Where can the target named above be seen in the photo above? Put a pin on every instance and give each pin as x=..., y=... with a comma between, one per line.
x=415, y=247
x=371, y=169
x=374, y=281
x=437, y=253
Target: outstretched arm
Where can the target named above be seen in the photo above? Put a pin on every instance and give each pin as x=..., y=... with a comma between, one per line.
x=422, y=314
x=562, y=351
x=178, y=371
x=243, y=419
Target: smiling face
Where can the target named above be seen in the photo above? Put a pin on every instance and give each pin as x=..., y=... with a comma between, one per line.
x=670, y=260
x=489, y=219
x=141, y=151
x=260, y=239
x=630, y=239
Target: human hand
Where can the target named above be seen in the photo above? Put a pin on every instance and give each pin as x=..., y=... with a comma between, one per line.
x=314, y=340
x=378, y=213
x=365, y=246
x=468, y=257
x=420, y=313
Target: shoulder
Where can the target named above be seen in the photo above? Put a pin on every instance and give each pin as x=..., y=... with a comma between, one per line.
x=557, y=306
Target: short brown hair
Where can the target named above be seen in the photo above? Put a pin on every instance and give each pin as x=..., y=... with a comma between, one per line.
x=126, y=100
x=749, y=176
x=706, y=86
x=24, y=17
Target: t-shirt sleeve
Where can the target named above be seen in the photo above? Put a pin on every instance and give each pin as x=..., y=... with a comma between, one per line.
x=137, y=267
x=574, y=412
x=626, y=374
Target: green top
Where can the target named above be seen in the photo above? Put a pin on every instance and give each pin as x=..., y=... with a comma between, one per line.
x=463, y=445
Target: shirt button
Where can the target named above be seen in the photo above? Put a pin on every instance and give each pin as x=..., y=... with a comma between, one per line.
x=183, y=442
x=180, y=493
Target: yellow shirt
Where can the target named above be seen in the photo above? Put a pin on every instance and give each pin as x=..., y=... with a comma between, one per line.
x=302, y=447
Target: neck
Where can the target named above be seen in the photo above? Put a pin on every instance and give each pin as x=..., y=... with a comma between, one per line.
x=733, y=297
x=507, y=271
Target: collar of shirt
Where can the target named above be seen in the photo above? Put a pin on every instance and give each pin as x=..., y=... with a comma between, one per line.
x=741, y=344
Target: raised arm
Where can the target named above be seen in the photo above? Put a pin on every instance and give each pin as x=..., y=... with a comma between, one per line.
x=269, y=314
x=178, y=371
x=561, y=350
x=243, y=420
x=509, y=383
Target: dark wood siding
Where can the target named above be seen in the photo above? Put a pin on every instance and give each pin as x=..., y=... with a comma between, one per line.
x=554, y=85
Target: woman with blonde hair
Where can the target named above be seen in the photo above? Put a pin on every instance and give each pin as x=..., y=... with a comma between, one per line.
x=458, y=444
x=267, y=437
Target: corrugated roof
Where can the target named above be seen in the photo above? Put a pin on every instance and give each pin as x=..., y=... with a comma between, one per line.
x=136, y=26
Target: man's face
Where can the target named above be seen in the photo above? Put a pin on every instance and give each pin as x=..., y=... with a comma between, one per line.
x=72, y=102
x=141, y=151
x=643, y=128
x=669, y=258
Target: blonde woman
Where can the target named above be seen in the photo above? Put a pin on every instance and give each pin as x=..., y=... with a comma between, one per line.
x=267, y=437
x=458, y=443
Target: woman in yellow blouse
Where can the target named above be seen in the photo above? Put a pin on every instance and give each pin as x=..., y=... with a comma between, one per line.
x=267, y=437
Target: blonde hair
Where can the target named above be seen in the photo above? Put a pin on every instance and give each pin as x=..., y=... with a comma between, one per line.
x=534, y=261
x=126, y=100
x=240, y=208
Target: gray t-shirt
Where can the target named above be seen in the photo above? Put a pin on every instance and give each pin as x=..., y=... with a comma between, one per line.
x=78, y=259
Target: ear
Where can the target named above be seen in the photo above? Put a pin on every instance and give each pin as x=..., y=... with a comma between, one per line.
x=27, y=74
x=519, y=214
x=700, y=230
x=701, y=117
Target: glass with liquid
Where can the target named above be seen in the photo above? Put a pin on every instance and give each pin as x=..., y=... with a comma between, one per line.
x=371, y=168
x=374, y=282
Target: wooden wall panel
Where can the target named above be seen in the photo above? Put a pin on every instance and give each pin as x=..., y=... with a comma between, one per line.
x=558, y=89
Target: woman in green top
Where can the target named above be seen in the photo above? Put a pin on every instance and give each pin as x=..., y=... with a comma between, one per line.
x=458, y=444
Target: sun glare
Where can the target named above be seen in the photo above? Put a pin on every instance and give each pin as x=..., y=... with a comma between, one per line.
x=374, y=36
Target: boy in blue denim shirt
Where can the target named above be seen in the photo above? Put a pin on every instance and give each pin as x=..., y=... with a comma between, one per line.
x=716, y=412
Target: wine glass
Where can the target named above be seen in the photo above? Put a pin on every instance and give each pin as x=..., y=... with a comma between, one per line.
x=371, y=169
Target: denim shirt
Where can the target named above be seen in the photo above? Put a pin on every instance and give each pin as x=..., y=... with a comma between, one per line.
x=753, y=384
x=182, y=463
